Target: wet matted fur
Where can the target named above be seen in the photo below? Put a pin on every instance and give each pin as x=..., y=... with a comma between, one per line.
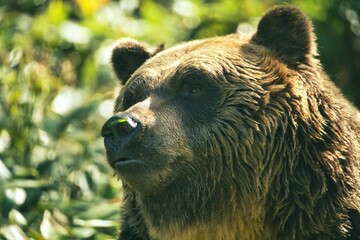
x=235, y=138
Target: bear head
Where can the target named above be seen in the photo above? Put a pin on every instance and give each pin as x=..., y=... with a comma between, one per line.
x=227, y=127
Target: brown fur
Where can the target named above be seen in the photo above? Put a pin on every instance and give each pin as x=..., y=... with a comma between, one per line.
x=235, y=139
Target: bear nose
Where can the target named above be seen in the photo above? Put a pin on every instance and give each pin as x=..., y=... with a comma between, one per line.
x=119, y=126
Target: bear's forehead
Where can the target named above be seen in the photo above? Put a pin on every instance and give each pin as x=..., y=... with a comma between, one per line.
x=198, y=50
x=204, y=55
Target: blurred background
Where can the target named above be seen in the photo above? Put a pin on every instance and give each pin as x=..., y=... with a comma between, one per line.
x=56, y=90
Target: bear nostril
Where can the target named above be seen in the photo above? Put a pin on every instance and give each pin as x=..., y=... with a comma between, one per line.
x=123, y=126
x=119, y=126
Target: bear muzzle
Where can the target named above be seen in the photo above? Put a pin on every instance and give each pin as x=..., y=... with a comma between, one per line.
x=119, y=132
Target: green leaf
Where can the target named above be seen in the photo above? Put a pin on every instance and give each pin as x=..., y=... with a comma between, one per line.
x=50, y=228
x=4, y=171
x=17, y=218
x=121, y=120
x=16, y=195
x=95, y=223
x=102, y=211
x=13, y=232
x=56, y=12
x=27, y=183
x=83, y=232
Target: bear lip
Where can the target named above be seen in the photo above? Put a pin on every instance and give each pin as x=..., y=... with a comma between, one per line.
x=123, y=161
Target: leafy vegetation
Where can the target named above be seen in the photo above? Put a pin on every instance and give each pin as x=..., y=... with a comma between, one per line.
x=56, y=90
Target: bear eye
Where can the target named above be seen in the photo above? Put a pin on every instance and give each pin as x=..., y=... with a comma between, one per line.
x=195, y=89
x=192, y=90
x=128, y=100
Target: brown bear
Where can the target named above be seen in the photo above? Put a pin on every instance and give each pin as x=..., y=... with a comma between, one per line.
x=234, y=137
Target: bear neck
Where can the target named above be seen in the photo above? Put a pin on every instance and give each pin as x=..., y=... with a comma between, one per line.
x=183, y=212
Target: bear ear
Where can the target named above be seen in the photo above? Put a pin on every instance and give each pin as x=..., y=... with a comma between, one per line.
x=128, y=55
x=288, y=33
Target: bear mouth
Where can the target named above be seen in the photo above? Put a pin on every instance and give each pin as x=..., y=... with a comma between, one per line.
x=121, y=162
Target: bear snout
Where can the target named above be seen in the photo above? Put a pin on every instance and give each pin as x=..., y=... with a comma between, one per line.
x=119, y=132
x=121, y=128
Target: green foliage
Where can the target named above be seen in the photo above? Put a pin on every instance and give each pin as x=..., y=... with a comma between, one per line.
x=54, y=82
x=56, y=90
